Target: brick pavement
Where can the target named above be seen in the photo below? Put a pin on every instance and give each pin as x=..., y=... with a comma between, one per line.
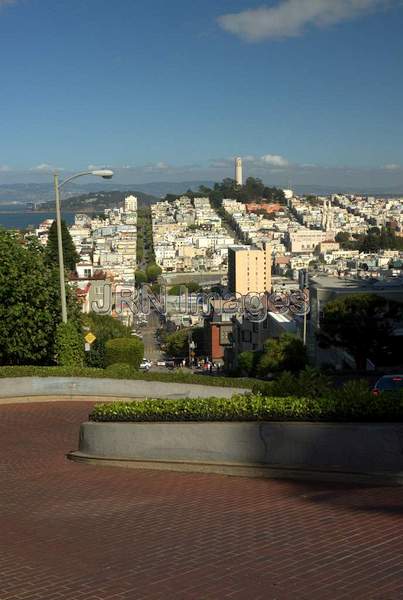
x=82, y=532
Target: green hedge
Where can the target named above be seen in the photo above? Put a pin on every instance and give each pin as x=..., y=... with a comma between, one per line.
x=252, y=407
x=123, y=371
x=124, y=350
x=69, y=345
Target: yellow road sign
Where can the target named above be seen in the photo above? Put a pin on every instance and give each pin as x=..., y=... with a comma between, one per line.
x=90, y=338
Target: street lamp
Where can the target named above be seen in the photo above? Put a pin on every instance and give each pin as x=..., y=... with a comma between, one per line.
x=105, y=174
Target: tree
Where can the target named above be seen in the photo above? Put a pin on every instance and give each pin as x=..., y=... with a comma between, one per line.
x=124, y=350
x=361, y=324
x=191, y=286
x=246, y=362
x=69, y=345
x=379, y=239
x=343, y=238
x=253, y=190
x=70, y=255
x=286, y=353
x=153, y=271
x=140, y=277
x=177, y=344
x=105, y=328
x=29, y=303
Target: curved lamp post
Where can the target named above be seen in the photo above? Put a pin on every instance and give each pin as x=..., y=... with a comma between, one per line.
x=106, y=174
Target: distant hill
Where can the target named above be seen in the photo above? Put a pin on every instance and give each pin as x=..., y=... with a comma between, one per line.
x=43, y=192
x=98, y=201
x=22, y=193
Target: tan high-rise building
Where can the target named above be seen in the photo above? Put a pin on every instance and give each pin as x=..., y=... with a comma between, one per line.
x=130, y=204
x=238, y=171
x=249, y=269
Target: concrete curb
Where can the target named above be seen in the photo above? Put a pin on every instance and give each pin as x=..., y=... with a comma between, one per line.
x=241, y=470
x=70, y=387
x=40, y=399
x=362, y=452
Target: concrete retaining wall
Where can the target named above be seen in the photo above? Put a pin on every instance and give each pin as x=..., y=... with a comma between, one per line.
x=349, y=448
x=125, y=388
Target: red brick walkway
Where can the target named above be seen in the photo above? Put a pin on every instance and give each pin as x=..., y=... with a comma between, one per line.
x=82, y=532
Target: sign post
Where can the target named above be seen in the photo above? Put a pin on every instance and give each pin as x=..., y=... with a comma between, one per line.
x=89, y=340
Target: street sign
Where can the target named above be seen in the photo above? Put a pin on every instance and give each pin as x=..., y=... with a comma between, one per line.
x=90, y=338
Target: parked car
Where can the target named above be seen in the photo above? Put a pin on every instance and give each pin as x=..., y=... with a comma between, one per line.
x=161, y=363
x=145, y=364
x=388, y=383
x=138, y=335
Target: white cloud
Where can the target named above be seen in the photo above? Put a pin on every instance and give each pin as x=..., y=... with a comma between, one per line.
x=392, y=167
x=46, y=168
x=290, y=17
x=97, y=167
x=5, y=169
x=157, y=167
x=275, y=160
x=267, y=160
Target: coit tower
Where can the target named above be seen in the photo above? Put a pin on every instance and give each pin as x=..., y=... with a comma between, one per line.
x=238, y=171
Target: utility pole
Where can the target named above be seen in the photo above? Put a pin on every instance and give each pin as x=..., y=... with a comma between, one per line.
x=60, y=249
x=304, y=284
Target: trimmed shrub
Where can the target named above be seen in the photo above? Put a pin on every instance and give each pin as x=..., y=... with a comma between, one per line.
x=69, y=345
x=121, y=371
x=253, y=407
x=310, y=383
x=124, y=350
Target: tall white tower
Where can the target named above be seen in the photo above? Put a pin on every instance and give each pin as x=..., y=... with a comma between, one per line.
x=238, y=171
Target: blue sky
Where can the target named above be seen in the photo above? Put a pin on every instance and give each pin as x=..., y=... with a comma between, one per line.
x=308, y=91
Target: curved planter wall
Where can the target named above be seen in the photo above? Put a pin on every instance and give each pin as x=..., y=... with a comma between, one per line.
x=124, y=388
x=282, y=448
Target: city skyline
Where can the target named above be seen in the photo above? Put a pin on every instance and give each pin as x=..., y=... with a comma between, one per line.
x=306, y=92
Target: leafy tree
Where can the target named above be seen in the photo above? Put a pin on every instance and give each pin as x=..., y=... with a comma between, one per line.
x=153, y=271
x=361, y=324
x=254, y=190
x=379, y=239
x=140, y=277
x=124, y=350
x=192, y=288
x=29, y=303
x=105, y=328
x=70, y=255
x=69, y=345
x=343, y=238
x=286, y=353
x=246, y=362
x=177, y=343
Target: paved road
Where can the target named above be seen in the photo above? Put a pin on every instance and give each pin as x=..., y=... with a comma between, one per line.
x=81, y=532
x=152, y=350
